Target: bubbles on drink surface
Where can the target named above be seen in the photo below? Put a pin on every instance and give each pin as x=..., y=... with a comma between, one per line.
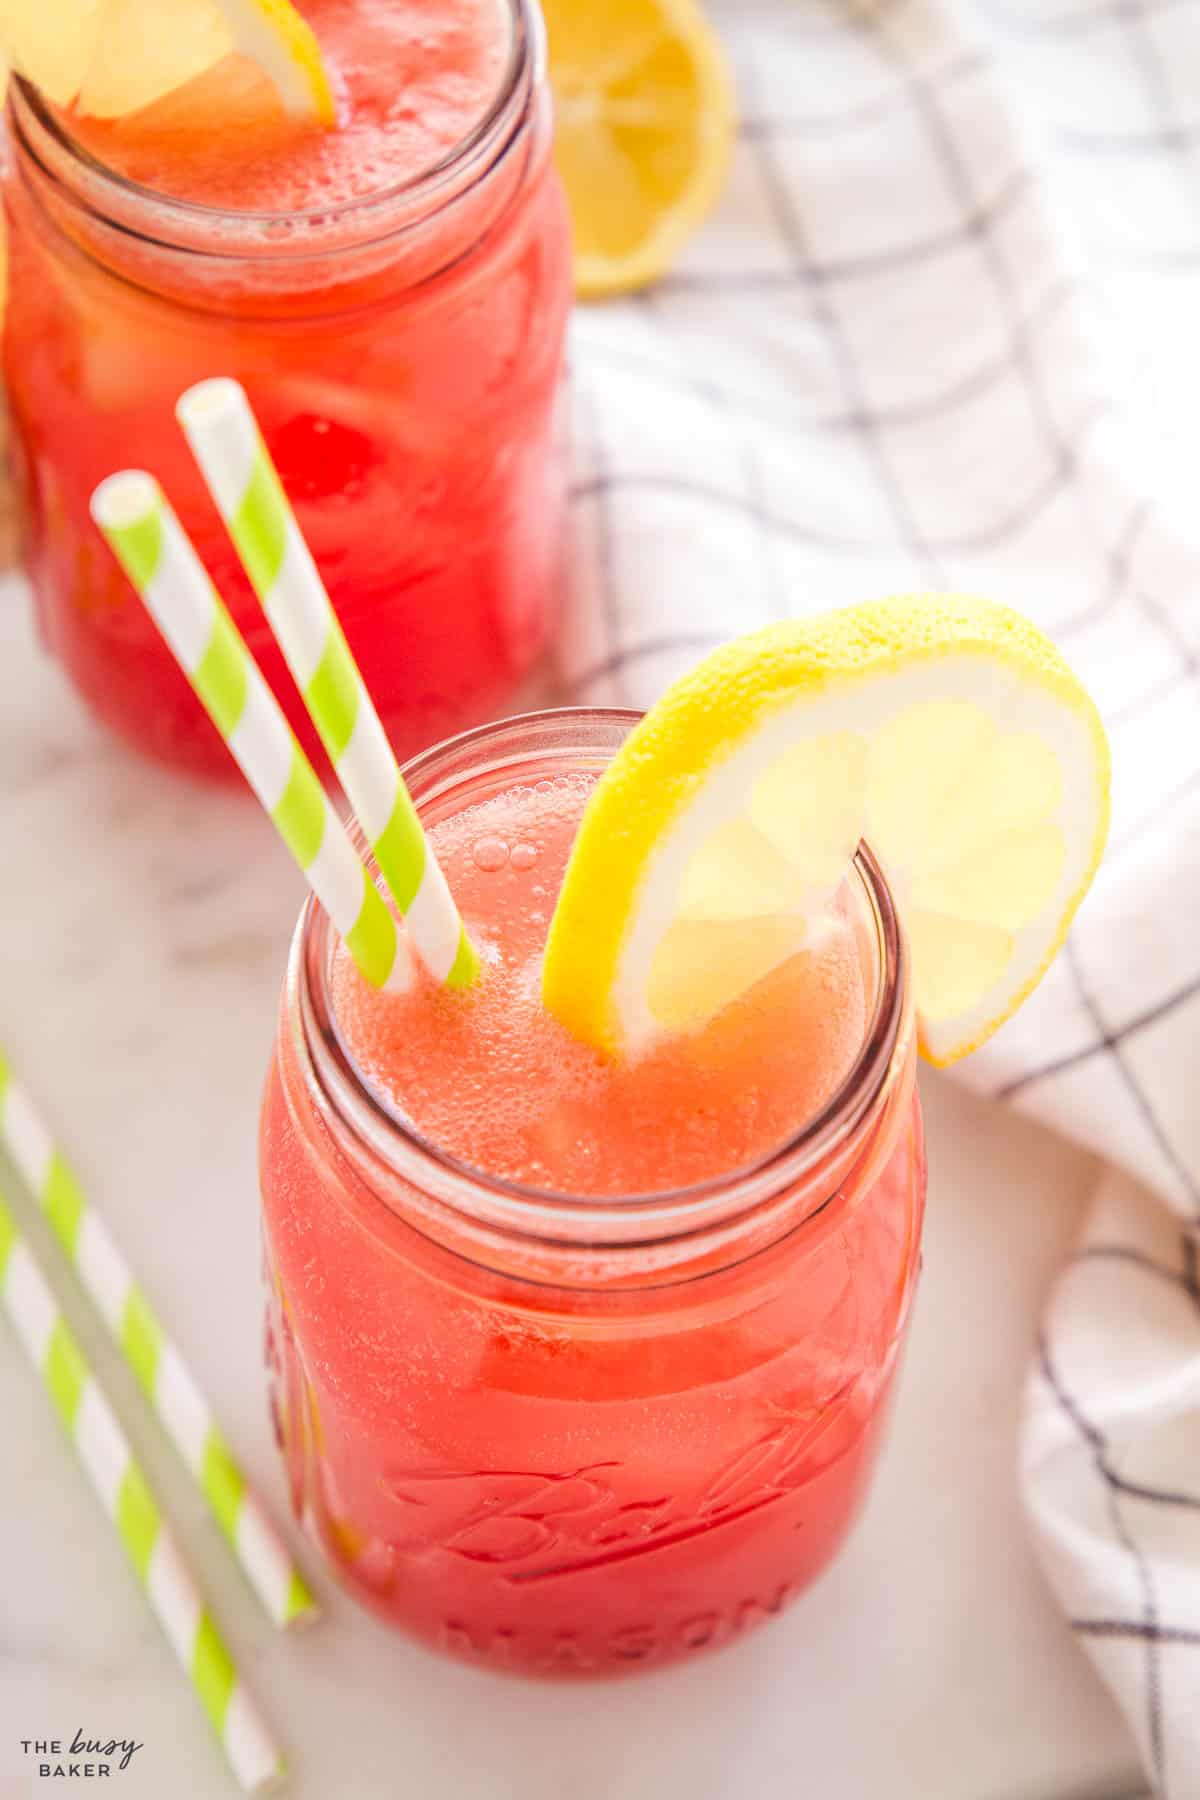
x=412, y=78
x=489, y=853
x=493, y=1078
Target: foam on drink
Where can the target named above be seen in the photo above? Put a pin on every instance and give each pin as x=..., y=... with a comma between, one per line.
x=411, y=79
x=492, y=1078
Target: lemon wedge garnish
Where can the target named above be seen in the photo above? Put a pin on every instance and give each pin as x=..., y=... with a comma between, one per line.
x=643, y=131
x=109, y=58
x=947, y=732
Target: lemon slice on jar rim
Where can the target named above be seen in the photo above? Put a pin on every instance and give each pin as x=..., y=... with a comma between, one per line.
x=945, y=731
x=109, y=58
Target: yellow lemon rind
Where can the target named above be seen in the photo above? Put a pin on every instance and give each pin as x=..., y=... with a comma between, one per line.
x=262, y=29
x=711, y=711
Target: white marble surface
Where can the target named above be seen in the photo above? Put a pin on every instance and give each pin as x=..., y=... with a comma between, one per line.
x=143, y=924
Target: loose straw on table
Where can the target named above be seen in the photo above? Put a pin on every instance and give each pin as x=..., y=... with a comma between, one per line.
x=160, y=1370
x=221, y=428
x=92, y=1426
x=158, y=558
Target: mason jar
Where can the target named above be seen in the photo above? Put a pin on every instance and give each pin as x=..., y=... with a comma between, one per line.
x=403, y=353
x=565, y=1434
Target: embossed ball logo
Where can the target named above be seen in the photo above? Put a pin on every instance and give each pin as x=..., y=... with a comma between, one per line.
x=533, y=1525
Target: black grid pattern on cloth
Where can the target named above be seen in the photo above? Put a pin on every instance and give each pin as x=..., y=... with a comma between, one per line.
x=1150, y=1630
x=1148, y=1627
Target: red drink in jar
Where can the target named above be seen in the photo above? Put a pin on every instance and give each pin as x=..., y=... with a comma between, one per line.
x=393, y=294
x=581, y=1366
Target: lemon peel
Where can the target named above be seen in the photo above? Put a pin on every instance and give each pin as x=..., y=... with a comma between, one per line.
x=948, y=731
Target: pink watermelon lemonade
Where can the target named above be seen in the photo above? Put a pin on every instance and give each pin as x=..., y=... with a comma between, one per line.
x=580, y=1366
x=505, y=1088
x=393, y=294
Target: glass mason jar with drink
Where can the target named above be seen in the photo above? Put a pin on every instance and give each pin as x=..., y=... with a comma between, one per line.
x=393, y=293
x=577, y=1366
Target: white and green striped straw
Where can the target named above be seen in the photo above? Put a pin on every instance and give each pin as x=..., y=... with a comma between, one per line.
x=152, y=547
x=221, y=428
x=92, y=1426
x=161, y=1372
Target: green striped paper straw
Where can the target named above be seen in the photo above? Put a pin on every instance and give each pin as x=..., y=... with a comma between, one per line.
x=221, y=428
x=161, y=1372
x=152, y=547
x=92, y=1426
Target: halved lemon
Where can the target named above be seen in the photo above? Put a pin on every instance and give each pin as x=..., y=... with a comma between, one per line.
x=109, y=58
x=643, y=130
x=948, y=732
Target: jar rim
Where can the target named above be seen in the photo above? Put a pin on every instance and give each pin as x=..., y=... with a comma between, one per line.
x=525, y=67
x=543, y=1214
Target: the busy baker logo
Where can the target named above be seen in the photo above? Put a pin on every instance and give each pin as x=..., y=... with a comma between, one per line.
x=80, y=1758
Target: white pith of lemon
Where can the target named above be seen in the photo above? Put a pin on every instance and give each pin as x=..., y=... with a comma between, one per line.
x=109, y=58
x=947, y=732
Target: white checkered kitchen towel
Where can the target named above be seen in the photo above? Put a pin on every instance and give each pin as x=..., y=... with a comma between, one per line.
x=944, y=331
